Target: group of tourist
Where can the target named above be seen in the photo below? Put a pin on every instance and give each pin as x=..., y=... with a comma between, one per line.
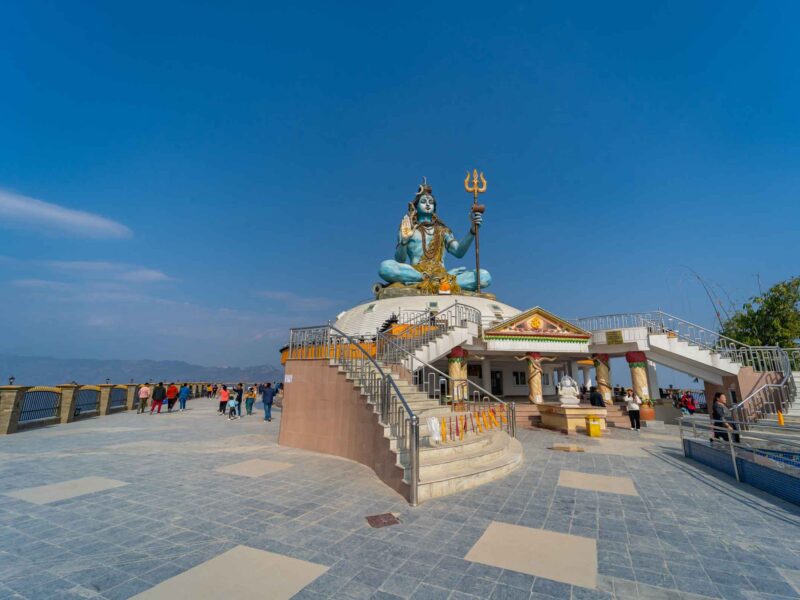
x=230, y=401
x=158, y=394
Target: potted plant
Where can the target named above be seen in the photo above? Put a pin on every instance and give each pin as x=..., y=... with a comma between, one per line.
x=646, y=411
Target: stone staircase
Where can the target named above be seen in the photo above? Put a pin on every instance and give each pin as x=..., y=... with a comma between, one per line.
x=451, y=466
x=617, y=416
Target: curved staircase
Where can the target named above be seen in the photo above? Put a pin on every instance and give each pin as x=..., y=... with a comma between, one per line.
x=450, y=466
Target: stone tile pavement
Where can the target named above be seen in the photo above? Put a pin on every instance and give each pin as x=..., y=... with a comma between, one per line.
x=689, y=533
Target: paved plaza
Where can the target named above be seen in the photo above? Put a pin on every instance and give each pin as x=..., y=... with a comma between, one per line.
x=190, y=505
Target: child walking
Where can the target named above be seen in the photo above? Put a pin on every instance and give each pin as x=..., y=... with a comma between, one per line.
x=232, y=406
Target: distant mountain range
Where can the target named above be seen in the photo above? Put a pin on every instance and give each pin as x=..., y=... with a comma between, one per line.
x=45, y=370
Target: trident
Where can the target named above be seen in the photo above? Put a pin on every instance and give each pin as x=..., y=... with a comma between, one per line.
x=478, y=187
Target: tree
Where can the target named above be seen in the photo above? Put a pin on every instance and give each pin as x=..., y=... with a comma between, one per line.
x=771, y=319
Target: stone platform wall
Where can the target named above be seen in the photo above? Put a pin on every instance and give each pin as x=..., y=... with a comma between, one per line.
x=323, y=411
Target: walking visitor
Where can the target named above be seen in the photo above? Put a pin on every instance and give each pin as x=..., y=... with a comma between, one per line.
x=172, y=395
x=632, y=403
x=158, y=397
x=239, y=394
x=144, y=396
x=183, y=396
x=721, y=419
x=233, y=406
x=224, y=395
x=250, y=399
x=267, y=398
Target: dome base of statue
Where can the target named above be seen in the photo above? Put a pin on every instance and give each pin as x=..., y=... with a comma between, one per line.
x=367, y=318
x=398, y=290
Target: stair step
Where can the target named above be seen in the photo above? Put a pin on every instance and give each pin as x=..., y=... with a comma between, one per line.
x=466, y=476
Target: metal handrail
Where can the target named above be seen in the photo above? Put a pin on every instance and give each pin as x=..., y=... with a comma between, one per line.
x=330, y=343
x=378, y=367
x=735, y=436
x=393, y=353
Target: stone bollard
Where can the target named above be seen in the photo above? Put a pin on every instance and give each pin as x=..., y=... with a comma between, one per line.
x=130, y=403
x=10, y=406
x=68, y=399
x=105, y=398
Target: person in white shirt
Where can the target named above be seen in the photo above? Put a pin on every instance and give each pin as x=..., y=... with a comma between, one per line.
x=632, y=403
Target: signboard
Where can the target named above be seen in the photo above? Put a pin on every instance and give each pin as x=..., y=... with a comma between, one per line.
x=614, y=337
x=287, y=378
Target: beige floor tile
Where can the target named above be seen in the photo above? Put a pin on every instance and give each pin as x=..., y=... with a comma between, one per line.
x=597, y=483
x=567, y=558
x=241, y=573
x=253, y=468
x=618, y=448
x=45, y=494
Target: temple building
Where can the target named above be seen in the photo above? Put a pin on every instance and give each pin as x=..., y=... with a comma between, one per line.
x=428, y=383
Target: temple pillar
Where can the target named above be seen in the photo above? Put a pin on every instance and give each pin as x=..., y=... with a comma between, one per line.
x=652, y=379
x=637, y=361
x=486, y=372
x=587, y=376
x=602, y=372
x=457, y=369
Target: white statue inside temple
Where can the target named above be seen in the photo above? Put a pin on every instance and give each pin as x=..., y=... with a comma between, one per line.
x=568, y=392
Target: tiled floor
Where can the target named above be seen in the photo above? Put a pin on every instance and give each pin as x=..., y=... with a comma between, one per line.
x=688, y=533
x=597, y=483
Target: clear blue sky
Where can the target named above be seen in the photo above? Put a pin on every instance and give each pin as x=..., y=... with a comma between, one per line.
x=210, y=174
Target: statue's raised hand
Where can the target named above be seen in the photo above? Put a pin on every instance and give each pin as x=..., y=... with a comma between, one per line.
x=406, y=230
x=477, y=219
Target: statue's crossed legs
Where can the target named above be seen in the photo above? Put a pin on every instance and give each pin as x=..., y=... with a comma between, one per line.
x=397, y=272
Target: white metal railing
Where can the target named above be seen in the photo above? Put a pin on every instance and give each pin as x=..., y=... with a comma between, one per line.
x=414, y=330
x=328, y=342
x=766, y=400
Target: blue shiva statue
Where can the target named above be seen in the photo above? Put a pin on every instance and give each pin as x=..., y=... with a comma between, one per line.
x=423, y=238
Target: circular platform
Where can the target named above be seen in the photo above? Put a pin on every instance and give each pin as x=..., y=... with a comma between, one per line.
x=366, y=318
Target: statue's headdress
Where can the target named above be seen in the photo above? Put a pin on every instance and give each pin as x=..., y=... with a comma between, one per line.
x=424, y=188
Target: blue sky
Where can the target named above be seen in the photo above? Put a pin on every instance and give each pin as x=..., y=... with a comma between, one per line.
x=189, y=180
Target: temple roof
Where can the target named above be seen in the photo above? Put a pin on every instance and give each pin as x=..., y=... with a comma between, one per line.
x=536, y=323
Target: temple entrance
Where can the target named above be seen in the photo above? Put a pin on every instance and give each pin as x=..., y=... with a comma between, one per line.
x=497, y=383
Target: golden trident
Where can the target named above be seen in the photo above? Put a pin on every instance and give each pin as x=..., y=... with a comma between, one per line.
x=478, y=187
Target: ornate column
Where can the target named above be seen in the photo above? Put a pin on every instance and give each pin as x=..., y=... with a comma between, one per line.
x=602, y=372
x=457, y=369
x=637, y=362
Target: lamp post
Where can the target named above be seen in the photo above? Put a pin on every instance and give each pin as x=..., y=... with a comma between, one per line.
x=11, y=380
x=107, y=380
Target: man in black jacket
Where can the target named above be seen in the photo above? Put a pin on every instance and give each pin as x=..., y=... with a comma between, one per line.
x=159, y=393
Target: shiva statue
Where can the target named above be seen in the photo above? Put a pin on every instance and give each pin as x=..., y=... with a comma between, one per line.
x=423, y=238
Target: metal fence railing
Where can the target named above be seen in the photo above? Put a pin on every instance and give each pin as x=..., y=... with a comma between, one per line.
x=118, y=397
x=40, y=403
x=87, y=400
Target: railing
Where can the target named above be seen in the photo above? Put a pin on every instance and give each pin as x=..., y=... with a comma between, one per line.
x=767, y=400
x=794, y=358
x=40, y=403
x=743, y=439
x=87, y=400
x=118, y=397
x=421, y=328
x=379, y=387
x=429, y=379
x=760, y=358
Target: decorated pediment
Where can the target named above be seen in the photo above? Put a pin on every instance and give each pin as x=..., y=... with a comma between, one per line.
x=538, y=324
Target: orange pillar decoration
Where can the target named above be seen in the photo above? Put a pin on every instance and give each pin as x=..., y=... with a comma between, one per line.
x=637, y=361
x=603, y=377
